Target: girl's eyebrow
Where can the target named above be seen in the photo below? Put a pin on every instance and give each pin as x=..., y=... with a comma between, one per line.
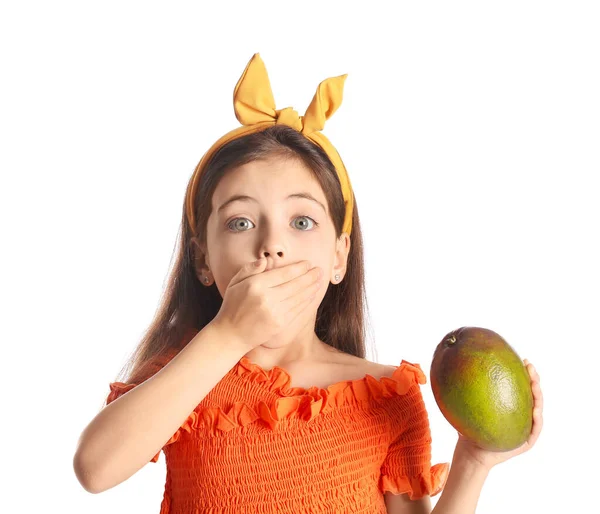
x=246, y=198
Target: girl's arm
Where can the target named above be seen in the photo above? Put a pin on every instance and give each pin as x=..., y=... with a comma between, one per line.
x=129, y=431
x=459, y=495
x=463, y=486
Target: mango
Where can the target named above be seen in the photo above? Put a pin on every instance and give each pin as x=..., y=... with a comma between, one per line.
x=482, y=388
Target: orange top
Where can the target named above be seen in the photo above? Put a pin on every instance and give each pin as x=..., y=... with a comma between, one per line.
x=255, y=444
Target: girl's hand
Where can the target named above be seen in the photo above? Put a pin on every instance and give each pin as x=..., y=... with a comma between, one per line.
x=490, y=458
x=259, y=304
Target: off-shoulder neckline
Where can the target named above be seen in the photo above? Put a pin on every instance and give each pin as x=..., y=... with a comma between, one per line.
x=292, y=402
x=279, y=379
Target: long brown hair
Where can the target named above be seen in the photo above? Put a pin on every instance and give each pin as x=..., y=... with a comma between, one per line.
x=188, y=306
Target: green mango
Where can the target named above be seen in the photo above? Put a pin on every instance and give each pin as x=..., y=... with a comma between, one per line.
x=482, y=388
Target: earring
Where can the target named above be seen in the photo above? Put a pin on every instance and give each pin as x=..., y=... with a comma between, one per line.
x=337, y=277
x=206, y=280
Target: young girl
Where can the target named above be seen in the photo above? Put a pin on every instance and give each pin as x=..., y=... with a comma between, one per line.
x=252, y=378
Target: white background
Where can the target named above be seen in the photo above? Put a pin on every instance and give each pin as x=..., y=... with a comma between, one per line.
x=470, y=131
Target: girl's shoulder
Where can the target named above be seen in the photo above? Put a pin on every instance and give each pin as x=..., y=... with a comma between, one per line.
x=359, y=367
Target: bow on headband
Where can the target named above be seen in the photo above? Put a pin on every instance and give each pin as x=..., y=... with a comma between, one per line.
x=254, y=107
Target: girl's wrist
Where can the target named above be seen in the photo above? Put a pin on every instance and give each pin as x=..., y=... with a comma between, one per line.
x=467, y=459
x=464, y=484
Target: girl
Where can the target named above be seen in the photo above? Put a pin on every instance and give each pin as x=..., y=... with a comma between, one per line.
x=252, y=378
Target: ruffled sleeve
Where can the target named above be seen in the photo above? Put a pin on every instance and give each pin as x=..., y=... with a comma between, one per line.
x=407, y=466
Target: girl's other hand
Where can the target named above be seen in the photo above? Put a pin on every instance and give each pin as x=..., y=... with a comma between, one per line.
x=490, y=458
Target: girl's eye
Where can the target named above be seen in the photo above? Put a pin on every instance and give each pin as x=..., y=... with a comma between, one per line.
x=307, y=218
x=242, y=222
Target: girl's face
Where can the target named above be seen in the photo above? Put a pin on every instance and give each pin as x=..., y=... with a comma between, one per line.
x=272, y=222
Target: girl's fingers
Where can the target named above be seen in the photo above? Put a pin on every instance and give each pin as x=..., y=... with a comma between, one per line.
x=529, y=368
x=533, y=374
x=538, y=407
x=536, y=429
x=538, y=403
x=538, y=421
x=535, y=386
x=538, y=397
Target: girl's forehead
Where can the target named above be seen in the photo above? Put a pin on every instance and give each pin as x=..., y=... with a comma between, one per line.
x=274, y=168
x=268, y=179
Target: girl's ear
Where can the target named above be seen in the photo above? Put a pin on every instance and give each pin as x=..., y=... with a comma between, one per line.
x=200, y=262
x=340, y=262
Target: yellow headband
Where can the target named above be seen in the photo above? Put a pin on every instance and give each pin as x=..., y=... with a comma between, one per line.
x=254, y=107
